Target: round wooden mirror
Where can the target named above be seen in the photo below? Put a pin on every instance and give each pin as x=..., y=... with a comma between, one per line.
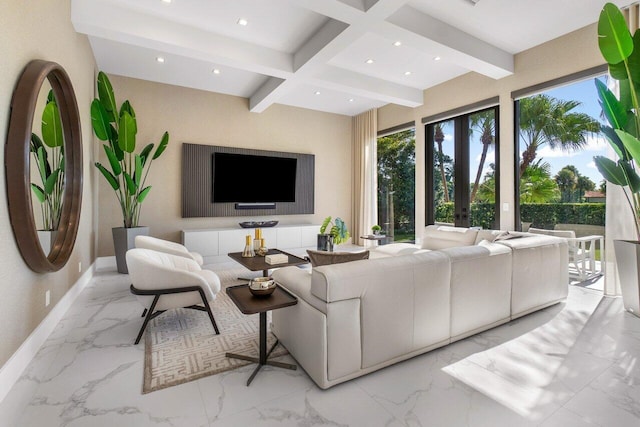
x=21, y=148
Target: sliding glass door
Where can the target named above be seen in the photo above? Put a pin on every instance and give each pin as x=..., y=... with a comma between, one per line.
x=462, y=171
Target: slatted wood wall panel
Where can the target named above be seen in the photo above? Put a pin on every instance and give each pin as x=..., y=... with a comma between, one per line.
x=197, y=183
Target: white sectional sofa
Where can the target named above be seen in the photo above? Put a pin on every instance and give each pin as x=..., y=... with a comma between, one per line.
x=357, y=317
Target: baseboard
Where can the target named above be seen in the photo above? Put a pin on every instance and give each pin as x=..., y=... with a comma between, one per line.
x=17, y=363
x=106, y=263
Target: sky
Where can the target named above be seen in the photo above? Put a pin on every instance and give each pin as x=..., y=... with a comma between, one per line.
x=585, y=92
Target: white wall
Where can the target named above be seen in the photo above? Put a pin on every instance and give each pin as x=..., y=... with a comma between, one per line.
x=41, y=30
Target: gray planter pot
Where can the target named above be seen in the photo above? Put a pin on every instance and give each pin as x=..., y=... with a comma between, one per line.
x=47, y=238
x=325, y=242
x=123, y=240
x=628, y=263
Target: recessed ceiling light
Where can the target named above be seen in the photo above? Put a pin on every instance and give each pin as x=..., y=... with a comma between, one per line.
x=317, y=92
x=398, y=43
x=216, y=71
x=351, y=99
x=437, y=58
x=243, y=22
x=369, y=61
x=160, y=59
x=166, y=1
x=407, y=73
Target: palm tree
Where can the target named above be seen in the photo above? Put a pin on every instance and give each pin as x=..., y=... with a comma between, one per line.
x=548, y=120
x=483, y=122
x=438, y=137
x=537, y=186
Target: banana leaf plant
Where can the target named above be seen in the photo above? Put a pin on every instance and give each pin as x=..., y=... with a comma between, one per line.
x=127, y=170
x=621, y=50
x=48, y=155
x=338, y=230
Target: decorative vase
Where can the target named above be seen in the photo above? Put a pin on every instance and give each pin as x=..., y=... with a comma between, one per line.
x=628, y=263
x=123, y=240
x=325, y=242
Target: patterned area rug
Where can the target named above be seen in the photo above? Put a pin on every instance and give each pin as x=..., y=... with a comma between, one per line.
x=181, y=345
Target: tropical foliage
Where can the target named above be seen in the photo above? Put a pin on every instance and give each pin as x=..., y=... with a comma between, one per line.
x=545, y=120
x=127, y=170
x=48, y=155
x=483, y=123
x=572, y=184
x=621, y=50
x=396, y=182
x=338, y=230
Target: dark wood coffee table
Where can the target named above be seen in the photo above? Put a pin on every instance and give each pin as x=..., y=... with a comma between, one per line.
x=258, y=263
x=249, y=304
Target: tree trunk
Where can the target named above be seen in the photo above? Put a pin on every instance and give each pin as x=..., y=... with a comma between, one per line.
x=483, y=158
x=528, y=156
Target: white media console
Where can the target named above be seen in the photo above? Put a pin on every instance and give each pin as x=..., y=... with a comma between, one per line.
x=215, y=243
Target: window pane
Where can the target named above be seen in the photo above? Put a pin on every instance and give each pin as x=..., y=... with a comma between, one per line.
x=482, y=167
x=396, y=185
x=443, y=171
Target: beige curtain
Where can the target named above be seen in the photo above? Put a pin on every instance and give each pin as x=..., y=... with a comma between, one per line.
x=364, y=183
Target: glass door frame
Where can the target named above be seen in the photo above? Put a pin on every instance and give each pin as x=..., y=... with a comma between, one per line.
x=461, y=168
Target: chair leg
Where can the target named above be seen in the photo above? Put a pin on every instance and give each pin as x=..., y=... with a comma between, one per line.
x=206, y=305
x=148, y=317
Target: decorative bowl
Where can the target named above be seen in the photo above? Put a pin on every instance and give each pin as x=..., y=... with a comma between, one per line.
x=262, y=286
x=258, y=224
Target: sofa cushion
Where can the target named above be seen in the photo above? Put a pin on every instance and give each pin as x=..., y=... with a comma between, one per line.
x=442, y=237
x=489, y=235
x=319, y=258
x=395, y=249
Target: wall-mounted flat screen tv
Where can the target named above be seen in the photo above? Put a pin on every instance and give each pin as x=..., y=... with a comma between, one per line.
x=245, y=178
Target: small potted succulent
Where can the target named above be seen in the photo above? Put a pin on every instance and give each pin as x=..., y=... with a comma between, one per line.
x=337, y=234
x=376, y=229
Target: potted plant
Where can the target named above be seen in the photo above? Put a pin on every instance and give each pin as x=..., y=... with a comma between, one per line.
x=621, y=51
x=376, y=229
x=127, y=170
x=337, y=234
x=48, y=156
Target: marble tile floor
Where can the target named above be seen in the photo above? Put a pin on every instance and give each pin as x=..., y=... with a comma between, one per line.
x=573, y=364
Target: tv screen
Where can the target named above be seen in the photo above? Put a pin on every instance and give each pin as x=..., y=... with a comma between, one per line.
x=244, y=178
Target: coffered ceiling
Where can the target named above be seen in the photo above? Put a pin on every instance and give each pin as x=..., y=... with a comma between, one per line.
x=340, y=56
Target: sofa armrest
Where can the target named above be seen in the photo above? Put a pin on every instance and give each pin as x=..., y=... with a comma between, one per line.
x=532, y=241
x=298, y=282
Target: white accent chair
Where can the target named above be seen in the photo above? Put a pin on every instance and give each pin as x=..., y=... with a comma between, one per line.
x=173, y=248
x=582, y=253
x=163, y=281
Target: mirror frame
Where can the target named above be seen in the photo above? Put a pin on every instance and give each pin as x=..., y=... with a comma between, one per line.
x=17, y=165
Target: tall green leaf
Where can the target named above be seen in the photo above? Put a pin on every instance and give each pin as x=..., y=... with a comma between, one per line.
x=137, y=176
x=614, y=39
x=113, y=161
x=610, y=170
x=36, y=143
x=100, y=121
x=144, y=154
x=114, y=144
x=631, y=143
x=39, y=192
x=51, y=96
x=325, y=224
x=127, y=137
x=115, y=184
x=107, y=98
x=162, y=146
x=126, y=107
x=43, y=163
x=52, y=126
x=50, y=183
x=143, y=194
x=611, y=107
x=615, y=142
x=633, y=180
x=132, y=187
